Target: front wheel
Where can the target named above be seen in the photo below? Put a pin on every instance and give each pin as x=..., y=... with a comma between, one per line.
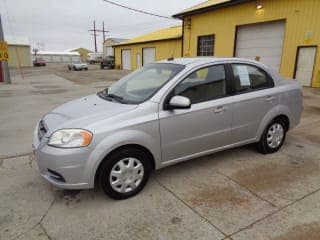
x=272, y=138
x=124, y=173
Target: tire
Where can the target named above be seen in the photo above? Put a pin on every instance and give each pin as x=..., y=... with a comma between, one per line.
x=74, y=69
x=86, y=69
x=273, y=137
x=137, y=176
x=69, y=68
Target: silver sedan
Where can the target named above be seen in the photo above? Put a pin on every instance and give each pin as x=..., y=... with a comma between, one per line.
x=162, y=114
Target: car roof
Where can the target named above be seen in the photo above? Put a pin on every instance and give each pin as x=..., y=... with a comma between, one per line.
x=205, y=60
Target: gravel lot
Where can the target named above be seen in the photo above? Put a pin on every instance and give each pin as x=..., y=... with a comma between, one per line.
x=235, y=194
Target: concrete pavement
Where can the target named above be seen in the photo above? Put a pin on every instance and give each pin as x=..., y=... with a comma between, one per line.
x=235, y=194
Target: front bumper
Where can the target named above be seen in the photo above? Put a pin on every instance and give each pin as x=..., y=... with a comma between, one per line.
x=70, y=164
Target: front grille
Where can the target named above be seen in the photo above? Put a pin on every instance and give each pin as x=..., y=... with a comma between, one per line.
x=42, y=129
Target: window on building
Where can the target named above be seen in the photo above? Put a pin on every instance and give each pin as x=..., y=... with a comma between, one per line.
x=206, y=45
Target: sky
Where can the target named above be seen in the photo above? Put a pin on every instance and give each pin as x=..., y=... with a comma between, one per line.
x=57, y=25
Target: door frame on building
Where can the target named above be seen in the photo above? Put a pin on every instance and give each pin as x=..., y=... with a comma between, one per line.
x=126, y=49
x=258, y=23
x=138, y=60
x=297, y=59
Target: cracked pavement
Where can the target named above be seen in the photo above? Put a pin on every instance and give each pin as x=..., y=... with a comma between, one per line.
x=236, y=194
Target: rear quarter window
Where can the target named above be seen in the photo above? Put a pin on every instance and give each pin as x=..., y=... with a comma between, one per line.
x=249, y=78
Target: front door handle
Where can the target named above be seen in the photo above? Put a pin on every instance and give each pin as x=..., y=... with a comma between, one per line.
x=269, y=98
x=220, y=109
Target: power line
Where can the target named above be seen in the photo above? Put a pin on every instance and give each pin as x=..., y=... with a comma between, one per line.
x=138, y=10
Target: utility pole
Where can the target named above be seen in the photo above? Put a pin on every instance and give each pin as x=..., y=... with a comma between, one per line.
x=103, y=31
x=4, y=64
x=95, y=31
x=94, y=34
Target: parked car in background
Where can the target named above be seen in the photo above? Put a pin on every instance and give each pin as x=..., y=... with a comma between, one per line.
x=39, y=62
x=107, y=62
x=78, y=66
x=94, y=58
x=162, y=114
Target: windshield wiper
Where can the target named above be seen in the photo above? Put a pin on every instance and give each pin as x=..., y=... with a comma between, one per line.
x=110, y=96
x=115, y=97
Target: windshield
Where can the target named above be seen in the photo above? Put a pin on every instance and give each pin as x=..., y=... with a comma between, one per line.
x=140, y=85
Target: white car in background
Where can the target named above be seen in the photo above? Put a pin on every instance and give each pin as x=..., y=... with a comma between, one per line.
x=78, y=66
x=94, y=58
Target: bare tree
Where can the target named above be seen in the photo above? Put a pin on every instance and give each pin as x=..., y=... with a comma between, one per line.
x=35, y=50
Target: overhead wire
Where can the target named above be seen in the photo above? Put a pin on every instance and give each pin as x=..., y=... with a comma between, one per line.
x=139, y=10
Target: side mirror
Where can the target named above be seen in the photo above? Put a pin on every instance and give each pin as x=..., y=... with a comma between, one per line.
x=179, y=102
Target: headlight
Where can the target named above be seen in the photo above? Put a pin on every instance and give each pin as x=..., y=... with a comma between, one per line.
x=70, y=138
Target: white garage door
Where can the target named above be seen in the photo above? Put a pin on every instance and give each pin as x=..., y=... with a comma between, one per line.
x=148, y=55
x=126, y=59
x=305, y=65
x=262, y=42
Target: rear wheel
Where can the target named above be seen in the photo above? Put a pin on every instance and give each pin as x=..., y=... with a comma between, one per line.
x=273, y=137
x=124, y=173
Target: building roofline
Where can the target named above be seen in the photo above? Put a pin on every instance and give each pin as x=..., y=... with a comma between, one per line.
x=149, y=41
x=119, y=40
x=212, y=7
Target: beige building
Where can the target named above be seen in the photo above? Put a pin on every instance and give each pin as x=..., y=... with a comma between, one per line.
x=83, y=53
x=108, y=49
x=19, y=52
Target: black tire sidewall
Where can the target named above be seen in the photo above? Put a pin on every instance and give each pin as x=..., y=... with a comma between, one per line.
x=263, y=144
x=110, y=161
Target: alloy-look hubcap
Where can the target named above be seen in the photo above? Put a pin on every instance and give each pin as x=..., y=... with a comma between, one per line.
x=275, y=135
x=126, y=175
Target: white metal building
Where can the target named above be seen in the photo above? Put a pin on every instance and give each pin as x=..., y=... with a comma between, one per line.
x=58, y=57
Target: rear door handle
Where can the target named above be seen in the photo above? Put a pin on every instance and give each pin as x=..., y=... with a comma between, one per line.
x=269, y=98
x=220, y=109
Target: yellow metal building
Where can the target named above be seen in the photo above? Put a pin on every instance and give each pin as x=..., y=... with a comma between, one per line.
x=284, y=34
x=136, y=52
x=19, y=52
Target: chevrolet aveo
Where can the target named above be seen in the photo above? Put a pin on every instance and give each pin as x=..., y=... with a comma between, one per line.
x=162, y=114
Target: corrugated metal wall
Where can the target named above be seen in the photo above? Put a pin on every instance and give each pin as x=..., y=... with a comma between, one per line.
x=19, y=53
x=302, y=28
x=164, y=49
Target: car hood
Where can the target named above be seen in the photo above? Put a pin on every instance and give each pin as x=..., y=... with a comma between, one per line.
x=82, y=112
